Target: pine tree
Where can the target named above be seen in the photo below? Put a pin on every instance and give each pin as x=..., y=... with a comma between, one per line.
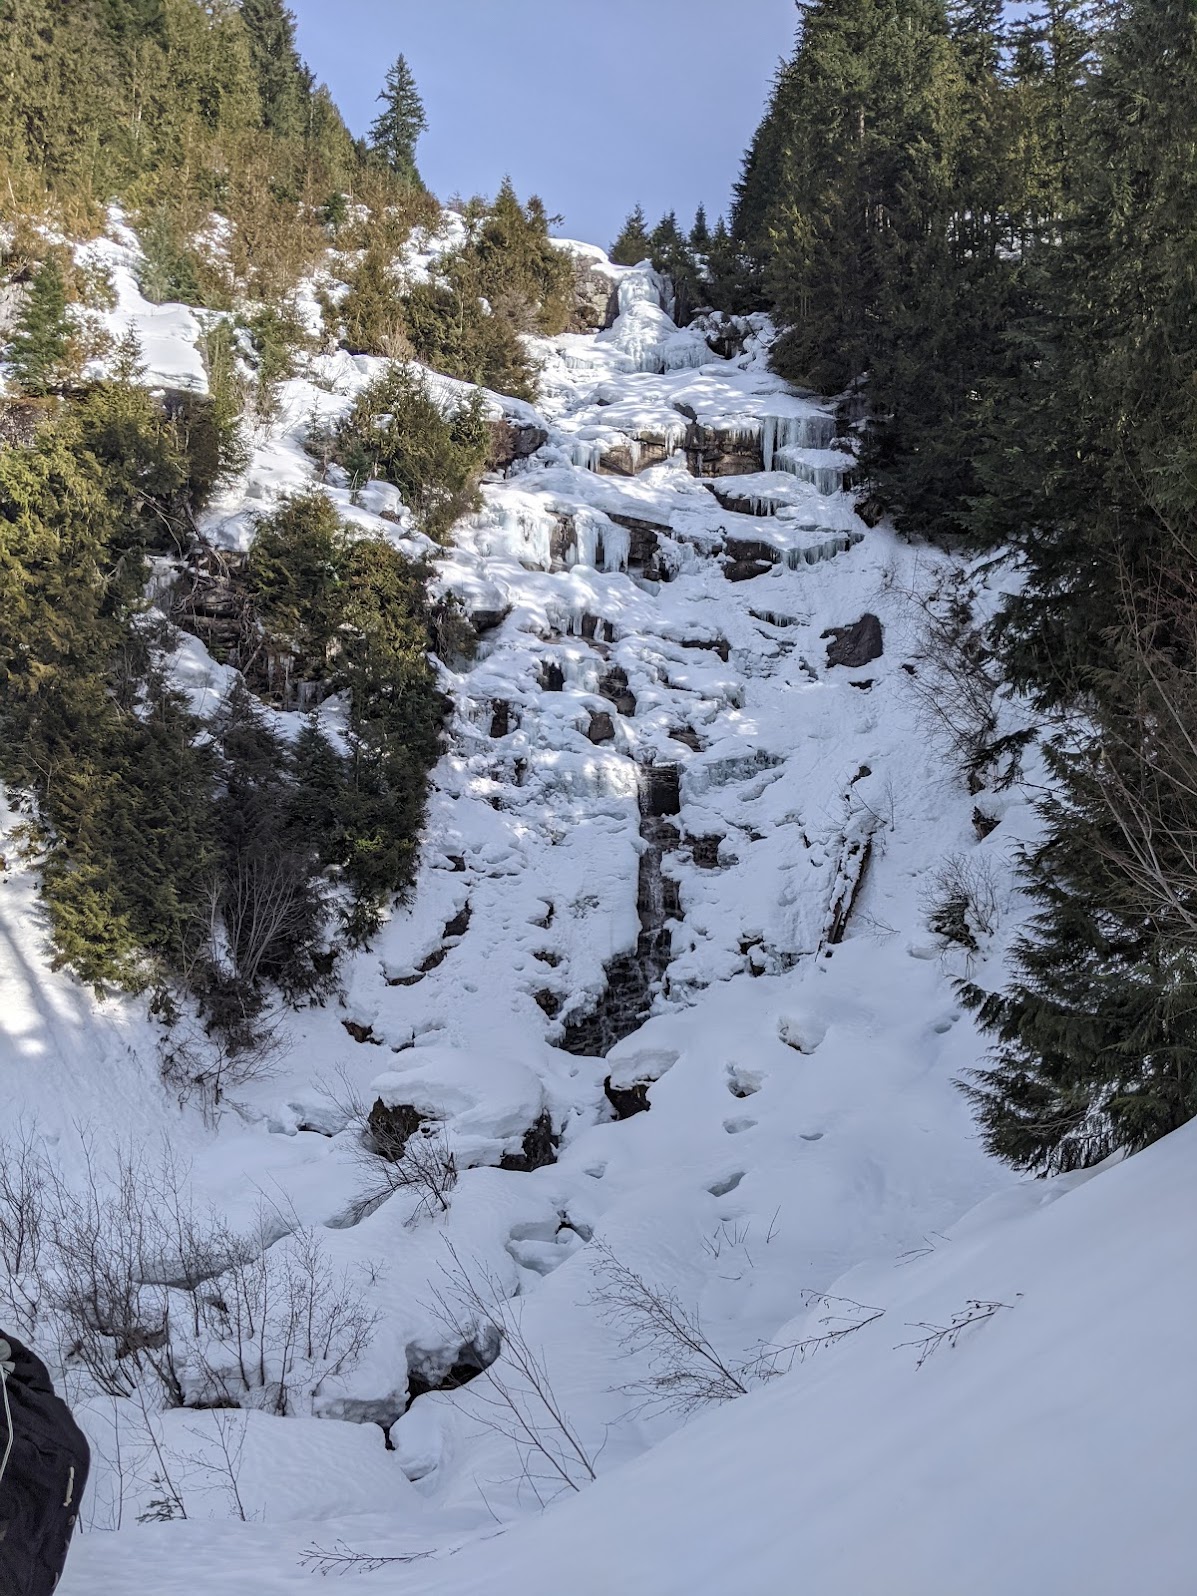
x=700, y=233
x=631, y=247
x=284, y=83
x=1097, y=1043
x=395, y=132
x=39, y=357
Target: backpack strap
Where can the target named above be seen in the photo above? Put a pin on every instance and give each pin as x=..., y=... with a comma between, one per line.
x=7, y=1366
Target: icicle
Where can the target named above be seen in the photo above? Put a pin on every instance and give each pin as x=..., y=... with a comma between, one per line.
x=814, y=430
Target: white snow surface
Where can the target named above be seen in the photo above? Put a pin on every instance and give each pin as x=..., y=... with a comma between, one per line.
x=805, y=1134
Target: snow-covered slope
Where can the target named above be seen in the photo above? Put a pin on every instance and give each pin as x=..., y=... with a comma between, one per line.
x=1052, y=1448
x=675, y=859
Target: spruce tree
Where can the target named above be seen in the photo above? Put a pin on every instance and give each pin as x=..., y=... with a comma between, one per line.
x=631, y=247
x=284, y=83
x=396, y=130
x=1097, y=1042
x=39, y=356
x=700, y=233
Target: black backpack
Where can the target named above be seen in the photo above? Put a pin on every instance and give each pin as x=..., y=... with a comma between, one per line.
x=43, y=1469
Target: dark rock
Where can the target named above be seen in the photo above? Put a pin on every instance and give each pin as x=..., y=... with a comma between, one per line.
x=645, y=536
x=457, y=1367
x=983, y=824
x=552, y=677
x=500, y=720
x=754, y=549
x=714, y=452
x=855, y=645
x=601, y=728
x=391, y=1128
x=739, y=504
x=864, y=687
x=460, y=923
x=633, y=978
x=457, y=860
x=715, y=645
x=547, y=956
x=487, y=620
x=746, y=570
x=870, y=510
x=688, y=736
x=636, y=454
x=540, y=1148
x=362, y=1033
x=726, y=335
x=512, y=440
x=613, y=686
x=627, y=1100
x=660, y=790
x=548, y=1002
x=705, y=851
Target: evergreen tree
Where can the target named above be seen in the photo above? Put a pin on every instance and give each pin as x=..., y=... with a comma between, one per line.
x=700, y=233
x=39, y=356
x=396, y=130
x=631, y=247
x=671, y=254
x=284, y=83
x=1097, y=1044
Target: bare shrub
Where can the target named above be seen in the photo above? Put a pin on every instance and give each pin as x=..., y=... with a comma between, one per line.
x=203, y=1065
x=513, y=1395
x=686, y=1369
x=135, y=1286
x=975, y=1311
x=422, y=1163
x=427, y=1170
x=956, y=687
x=342, y=1559
x=961, y=900
x=843, y=1317
x=24, y=1178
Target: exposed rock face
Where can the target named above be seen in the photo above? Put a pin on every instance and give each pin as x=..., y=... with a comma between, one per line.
x=716, y=453
x=713, y=645
x=596, y=301
x=601, y=728
x=855, y=645
x=746, y=570
x=629, y=458
x=614, y=687
x=753, y=549
x=644, y=542
x=487, y=620
x=512, y=440
x=500, y=720
x=391, y=1128
x=633, y=978
x=704, y=851
x=539, y=1150
x=362, y=1033
x=726, y=335
x=552, y=677
x=628, y=1100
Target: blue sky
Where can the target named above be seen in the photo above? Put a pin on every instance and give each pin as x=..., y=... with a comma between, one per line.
x=593, y=104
